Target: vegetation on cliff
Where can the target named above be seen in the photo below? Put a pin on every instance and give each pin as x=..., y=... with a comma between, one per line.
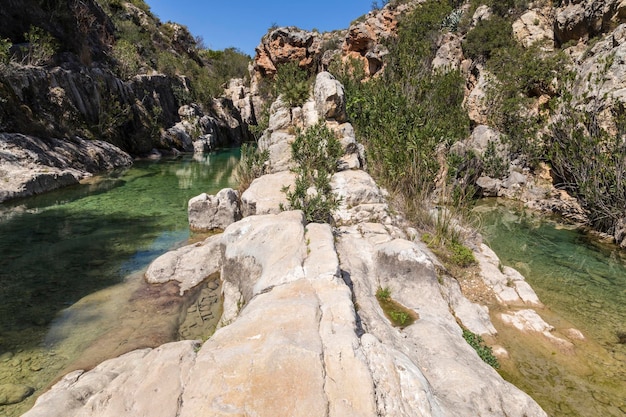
x=102, y=46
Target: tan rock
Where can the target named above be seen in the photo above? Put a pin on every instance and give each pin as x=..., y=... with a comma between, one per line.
x=265, y=195
x=189, y=265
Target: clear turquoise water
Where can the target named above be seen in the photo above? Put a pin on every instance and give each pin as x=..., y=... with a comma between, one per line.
x=61, y=246
x=583, y=284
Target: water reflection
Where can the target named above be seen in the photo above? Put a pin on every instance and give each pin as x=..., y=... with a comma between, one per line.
x=59, y=247
x=583, y=282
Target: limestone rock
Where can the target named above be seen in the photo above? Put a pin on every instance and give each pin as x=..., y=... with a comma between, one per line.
x=475, y=101
x=148, y=382
x=585, y=18
x=329, y=98
x=208, y=212
x=473, y=316
x=287, y=44
x=189, y=265
x=265, y=195
x=489, y=187
x=509, y=286
x=449, y=55
x=535, y=26
x=361, y=199
x=364, y=41
x=29, y=165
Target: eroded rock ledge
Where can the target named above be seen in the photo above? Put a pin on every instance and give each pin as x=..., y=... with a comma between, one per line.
x=29, y=165
x=302, y=333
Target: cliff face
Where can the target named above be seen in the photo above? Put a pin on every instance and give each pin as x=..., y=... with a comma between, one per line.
x=110, y=71
x=526, y=122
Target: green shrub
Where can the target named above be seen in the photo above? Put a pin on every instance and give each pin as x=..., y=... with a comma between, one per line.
x=460, y=254
x=41, y=46
x=487, y=37
x=316, y=153
x=484, y=352
x=492, y=164
x=409, y=107
x=589, y=163
x=383, y=293
x=5, y=54
x=252, y=164
x=127, y=59
x=293, y=83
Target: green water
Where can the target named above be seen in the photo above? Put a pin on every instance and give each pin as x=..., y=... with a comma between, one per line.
x=62, y=246
x=583, y=285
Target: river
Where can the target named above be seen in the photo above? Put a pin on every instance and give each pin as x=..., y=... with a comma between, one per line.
x=583, y=284
x=72, y=262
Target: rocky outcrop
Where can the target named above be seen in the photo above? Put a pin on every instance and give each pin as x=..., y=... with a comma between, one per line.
x=287, y=44
x=535, y=27
x=30, y=165
x=576, y=20
x=292, y=340
x=364, y=41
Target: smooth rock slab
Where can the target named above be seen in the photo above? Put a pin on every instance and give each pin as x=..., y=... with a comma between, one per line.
x=265, y=195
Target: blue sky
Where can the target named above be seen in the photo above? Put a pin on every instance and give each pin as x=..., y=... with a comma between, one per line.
x=242, y=23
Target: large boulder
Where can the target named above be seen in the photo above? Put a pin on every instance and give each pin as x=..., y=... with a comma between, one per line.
x=330, y=100
x=287, y=44
x=579, y=19
x=535, y=26
x=189, y=265
x=208, y=212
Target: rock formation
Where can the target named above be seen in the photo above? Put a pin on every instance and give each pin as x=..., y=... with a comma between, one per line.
x=30, y=165
x=302, y=333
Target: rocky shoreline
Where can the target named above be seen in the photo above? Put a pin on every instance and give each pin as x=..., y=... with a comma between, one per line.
x=302, y=332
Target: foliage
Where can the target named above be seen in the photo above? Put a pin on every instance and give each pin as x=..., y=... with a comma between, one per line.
x=409, y=107
x=484, y=352
x=460, y=254
x=262, y=122
x=487, y=37
x=492, y=164
x=252, y=164
x=315, y=152
x=591, y=163
x=127, y=58
x=112, y=115
x=5, y=54
x=293, y=83
x=520, y=75
x=41, y=46
x=383, y=293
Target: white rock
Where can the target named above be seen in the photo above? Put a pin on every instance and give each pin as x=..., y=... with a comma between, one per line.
x=265, y=195
x=329, y=98
x=207, y=212
x=189, y=265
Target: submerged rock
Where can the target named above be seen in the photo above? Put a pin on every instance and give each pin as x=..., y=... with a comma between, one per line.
x=14, y=393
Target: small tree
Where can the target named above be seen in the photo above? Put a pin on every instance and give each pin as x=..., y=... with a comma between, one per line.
x=316, y=152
